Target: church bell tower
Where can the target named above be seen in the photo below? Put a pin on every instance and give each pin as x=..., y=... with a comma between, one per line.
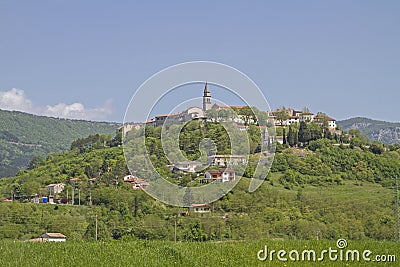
x=206, y=98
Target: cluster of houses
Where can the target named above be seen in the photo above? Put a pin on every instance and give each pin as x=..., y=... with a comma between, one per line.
x=222, y=174
x=196, y=113
x=57, y=188
x=192, y=113
x=182, y=117
x=54, y=190
x=296, y=116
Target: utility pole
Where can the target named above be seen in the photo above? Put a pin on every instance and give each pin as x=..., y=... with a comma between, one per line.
x=73, y=196
x=96, y=227
x=175, y=230
x=397, y=210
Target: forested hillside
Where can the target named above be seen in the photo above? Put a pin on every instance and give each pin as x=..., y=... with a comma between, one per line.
x=386, y=132
x=24, y=136
x=320, y=190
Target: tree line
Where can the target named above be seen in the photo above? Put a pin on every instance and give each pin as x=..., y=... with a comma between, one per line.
x=323, y=189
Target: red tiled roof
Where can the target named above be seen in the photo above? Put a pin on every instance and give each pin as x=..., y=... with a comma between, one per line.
x=324, y=117
x=219, y=172
x=54, y=235
x=135, y=180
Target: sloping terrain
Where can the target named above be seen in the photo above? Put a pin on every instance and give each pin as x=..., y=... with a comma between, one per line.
x=386, y=132
x=24, y=136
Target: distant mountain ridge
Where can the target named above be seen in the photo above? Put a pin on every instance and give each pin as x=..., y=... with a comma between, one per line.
x=24, y=136
x=382, y=131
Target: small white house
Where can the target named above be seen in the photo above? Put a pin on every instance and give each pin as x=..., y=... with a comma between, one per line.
x=51, y=237
x=186, y=166
x=55, y=188
x=293, y=120
x=332, y=123
x=223, y=175
x=200, y=208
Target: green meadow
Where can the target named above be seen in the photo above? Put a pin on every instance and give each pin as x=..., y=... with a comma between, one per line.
x=168, y=253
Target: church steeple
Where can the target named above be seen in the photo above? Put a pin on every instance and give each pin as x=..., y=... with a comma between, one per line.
x=206, y=98
x=206, y=90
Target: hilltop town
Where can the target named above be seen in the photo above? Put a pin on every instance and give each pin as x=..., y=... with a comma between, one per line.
x=313, y=158
x=285, y=126
x=294, y=128
x=217, y=113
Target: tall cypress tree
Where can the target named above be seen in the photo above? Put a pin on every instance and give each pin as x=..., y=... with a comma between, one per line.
x=304, y=133
x=284, y=136
x=292, y=136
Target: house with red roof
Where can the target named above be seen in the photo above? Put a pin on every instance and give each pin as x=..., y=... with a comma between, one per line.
x=221, y=175
x=50, y=237
x=136, y=182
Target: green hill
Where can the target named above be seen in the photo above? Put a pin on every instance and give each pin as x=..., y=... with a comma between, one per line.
x=323, y=190
x=382, y=131
x=24, y=136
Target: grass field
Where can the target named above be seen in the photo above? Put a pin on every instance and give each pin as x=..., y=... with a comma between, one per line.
x=165, y=253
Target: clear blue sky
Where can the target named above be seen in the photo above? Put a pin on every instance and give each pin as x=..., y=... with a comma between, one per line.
x=86, y=58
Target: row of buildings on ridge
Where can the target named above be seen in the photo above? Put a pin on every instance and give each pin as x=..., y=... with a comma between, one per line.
x=296, y=116
x=197, y=113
